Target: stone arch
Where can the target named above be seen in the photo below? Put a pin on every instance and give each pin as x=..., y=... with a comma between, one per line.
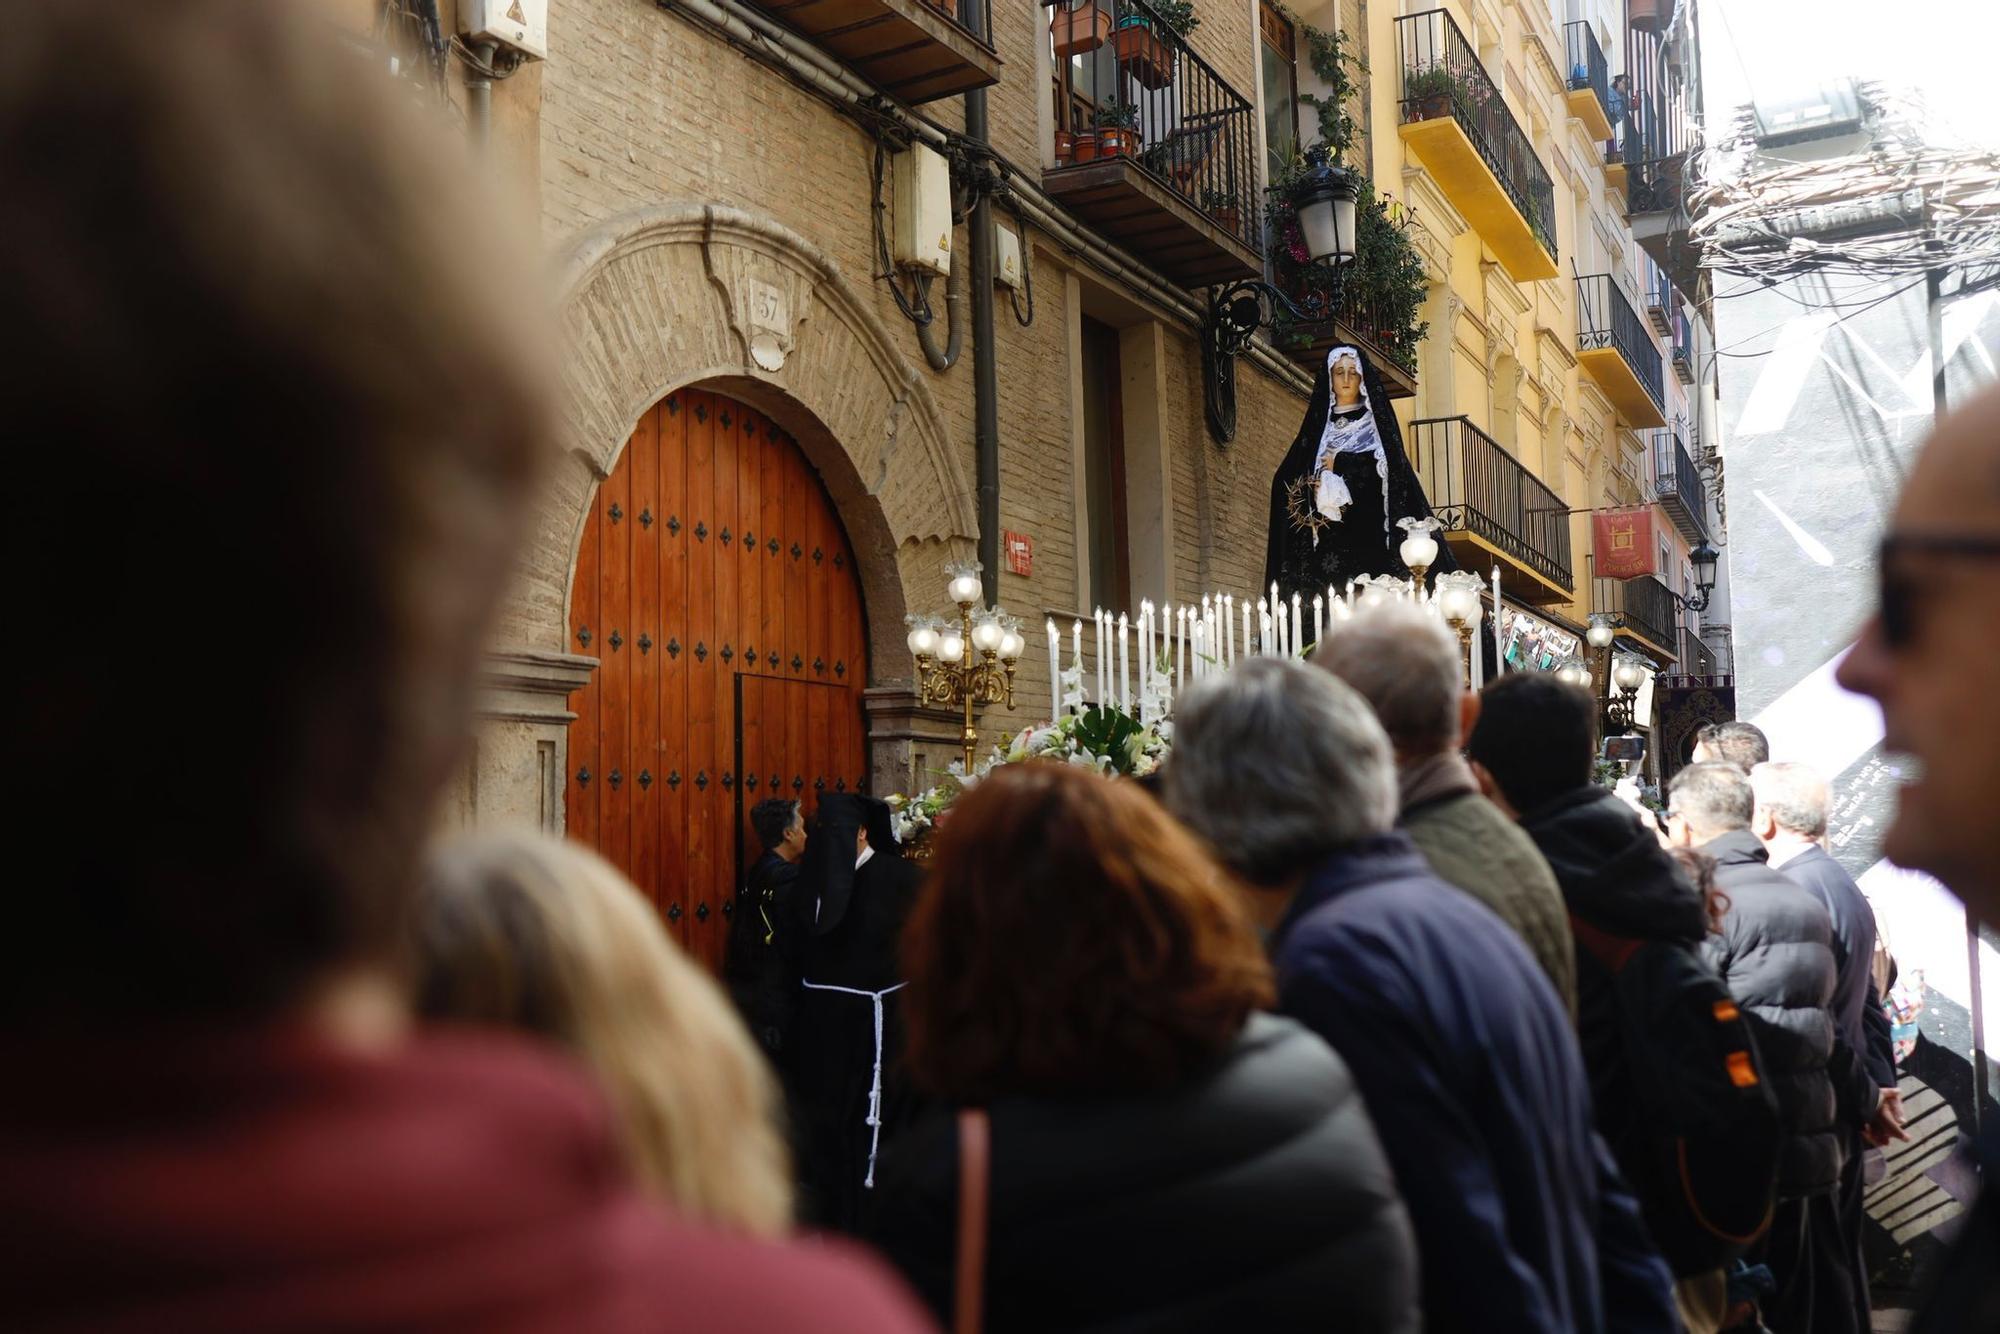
x=679, y=295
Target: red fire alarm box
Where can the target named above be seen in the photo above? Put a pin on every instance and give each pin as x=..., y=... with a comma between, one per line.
x=1020, y=553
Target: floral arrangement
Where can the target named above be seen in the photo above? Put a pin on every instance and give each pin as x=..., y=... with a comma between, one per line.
x=1104, y=738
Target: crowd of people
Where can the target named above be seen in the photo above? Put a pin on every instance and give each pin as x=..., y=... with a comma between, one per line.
x=1375, y=1013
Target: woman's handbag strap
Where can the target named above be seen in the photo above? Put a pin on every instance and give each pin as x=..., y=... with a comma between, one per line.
x=975, y=1133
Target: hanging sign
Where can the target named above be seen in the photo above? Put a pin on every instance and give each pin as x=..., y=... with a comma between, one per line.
x=1020, y=549
x=1623, y=541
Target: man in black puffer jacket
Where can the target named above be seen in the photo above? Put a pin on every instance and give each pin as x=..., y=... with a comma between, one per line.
x=1531, y=751
x=1775, y=954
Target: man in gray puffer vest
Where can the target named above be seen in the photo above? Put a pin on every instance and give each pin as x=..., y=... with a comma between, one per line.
x=1775, y=954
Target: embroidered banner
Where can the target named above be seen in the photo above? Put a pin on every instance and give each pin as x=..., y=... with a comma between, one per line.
x=1623, y=540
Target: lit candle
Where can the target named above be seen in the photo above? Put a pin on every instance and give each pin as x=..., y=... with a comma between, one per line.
x=1139, y=636
x=1298, y=624
x=1076, y=652
x=1282, y=640
x=1124, y=664
x=1055, y=672
x=1097, y=621
x=1263, y=626
x=1319, y=620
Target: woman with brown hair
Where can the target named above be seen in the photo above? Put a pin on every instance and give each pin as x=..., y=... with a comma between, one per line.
x=1163, y=1154
x=529, y=933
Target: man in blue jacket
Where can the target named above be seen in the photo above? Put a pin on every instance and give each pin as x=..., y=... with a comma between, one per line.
x=1460, y=1044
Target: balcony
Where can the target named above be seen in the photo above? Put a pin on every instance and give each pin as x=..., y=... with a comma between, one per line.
x=1355, y=323
x=1678, y=487
x=1154, y=150
x=1646, y=610
x=1613, y=346
x=1660, y=303
x=1704, y=661
x=1493, y=509
x=910, y=49
x=1453, y=118
x=1682, y=355
x=1658, y=146
x=1589, y=79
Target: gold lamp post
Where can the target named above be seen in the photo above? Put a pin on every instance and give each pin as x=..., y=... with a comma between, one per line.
x=967, y=665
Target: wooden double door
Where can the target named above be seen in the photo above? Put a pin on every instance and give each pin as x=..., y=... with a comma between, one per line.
x=716, y=587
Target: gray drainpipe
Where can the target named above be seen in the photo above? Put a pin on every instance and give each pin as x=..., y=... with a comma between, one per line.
x=985, y=379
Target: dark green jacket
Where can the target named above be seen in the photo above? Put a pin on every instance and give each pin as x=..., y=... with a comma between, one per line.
x=1470, y=844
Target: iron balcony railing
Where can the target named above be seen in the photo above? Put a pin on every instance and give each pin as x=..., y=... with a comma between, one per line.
x=1703, y=659
x=1660, y=130
x=1476, y=486
x=1660, y=303
x=1587, y=66
x=1605, y=319
x=1677, y=485
x=1442, y=76
x=1130, y=86
x=1646, y=606
x=1683, y=349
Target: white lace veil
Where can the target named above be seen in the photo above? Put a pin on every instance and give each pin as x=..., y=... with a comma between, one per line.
x=1359, y=436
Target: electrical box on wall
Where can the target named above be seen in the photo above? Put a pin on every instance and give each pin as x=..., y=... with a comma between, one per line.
x=1006, y=257
x=520, y=24
x=923, y=210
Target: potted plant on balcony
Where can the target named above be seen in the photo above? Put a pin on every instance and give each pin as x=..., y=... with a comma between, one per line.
x=1223, y=208
x=1080, y=27
x=1142, y=51
x=1117, y=130
x=1428, y=93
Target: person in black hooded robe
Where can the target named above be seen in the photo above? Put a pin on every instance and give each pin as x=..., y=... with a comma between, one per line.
x=1342, y=487
x=854, y=892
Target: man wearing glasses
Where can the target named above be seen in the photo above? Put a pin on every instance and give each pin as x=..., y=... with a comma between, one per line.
x=1930, y=656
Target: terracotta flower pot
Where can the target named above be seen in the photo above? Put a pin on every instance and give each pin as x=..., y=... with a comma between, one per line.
x=1227, y=218
x=1434, y=107
x=1115, y=141
x=1143, y=55
x=1065, y=148
x=1086, y=146
x=1083, y=28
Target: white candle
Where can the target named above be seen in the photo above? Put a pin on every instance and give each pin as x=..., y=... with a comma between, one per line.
x=1097, y=621
x=1055, y=672
x=1180, y=647
x=1319, y=620
x=1298, y=625
x=1499, y=662
x=1276, y=601
x=1243, y=647
x=1124, y=664
x=1263, y=627
x=1076, y=652
x=1140, y=636
x=1283, y=640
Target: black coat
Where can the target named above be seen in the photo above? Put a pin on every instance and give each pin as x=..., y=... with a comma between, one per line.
x=1257, y=1199
x=1775, y=954
x=755, y=966
x=1616, y=877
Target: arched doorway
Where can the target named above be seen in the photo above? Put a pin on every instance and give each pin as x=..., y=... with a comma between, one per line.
x=716, y=586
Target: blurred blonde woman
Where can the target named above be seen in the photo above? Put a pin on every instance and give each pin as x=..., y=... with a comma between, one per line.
x=530, y=933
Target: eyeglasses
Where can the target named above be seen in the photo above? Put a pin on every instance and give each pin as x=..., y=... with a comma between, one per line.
x=1899, y=594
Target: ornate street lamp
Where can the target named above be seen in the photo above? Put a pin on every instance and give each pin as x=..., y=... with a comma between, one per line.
x=1574, y=673
x=1419, y=549
x=1458, y=601
x=1704, y=558
x=1628, y=675
x=1324, y=200
x=970, y=664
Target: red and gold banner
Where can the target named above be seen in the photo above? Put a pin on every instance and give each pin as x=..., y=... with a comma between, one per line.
x=1623, y=540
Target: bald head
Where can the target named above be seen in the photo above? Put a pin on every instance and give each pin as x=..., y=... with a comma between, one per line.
x=1956, y=479
x=1405, y=664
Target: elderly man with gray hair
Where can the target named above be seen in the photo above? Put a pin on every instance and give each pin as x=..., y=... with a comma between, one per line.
x=1775, y=954
x=1406, y=665
x=1789, y=819
x=1453, y=1033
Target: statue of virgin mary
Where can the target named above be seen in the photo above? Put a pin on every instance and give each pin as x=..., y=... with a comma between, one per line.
x=1342, y=487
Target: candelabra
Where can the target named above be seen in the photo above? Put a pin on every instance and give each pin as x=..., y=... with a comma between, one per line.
x=968, y=665
x=1620, y=709
x=1458, y=602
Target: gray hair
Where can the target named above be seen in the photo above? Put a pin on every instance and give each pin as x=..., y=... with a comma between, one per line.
x=1406, y=665
x=1278, y=765
x=1739, y=743
x=1795, y=795
x=1714, y=798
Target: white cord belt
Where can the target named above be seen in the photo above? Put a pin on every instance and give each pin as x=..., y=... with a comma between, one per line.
x=875, y=1084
